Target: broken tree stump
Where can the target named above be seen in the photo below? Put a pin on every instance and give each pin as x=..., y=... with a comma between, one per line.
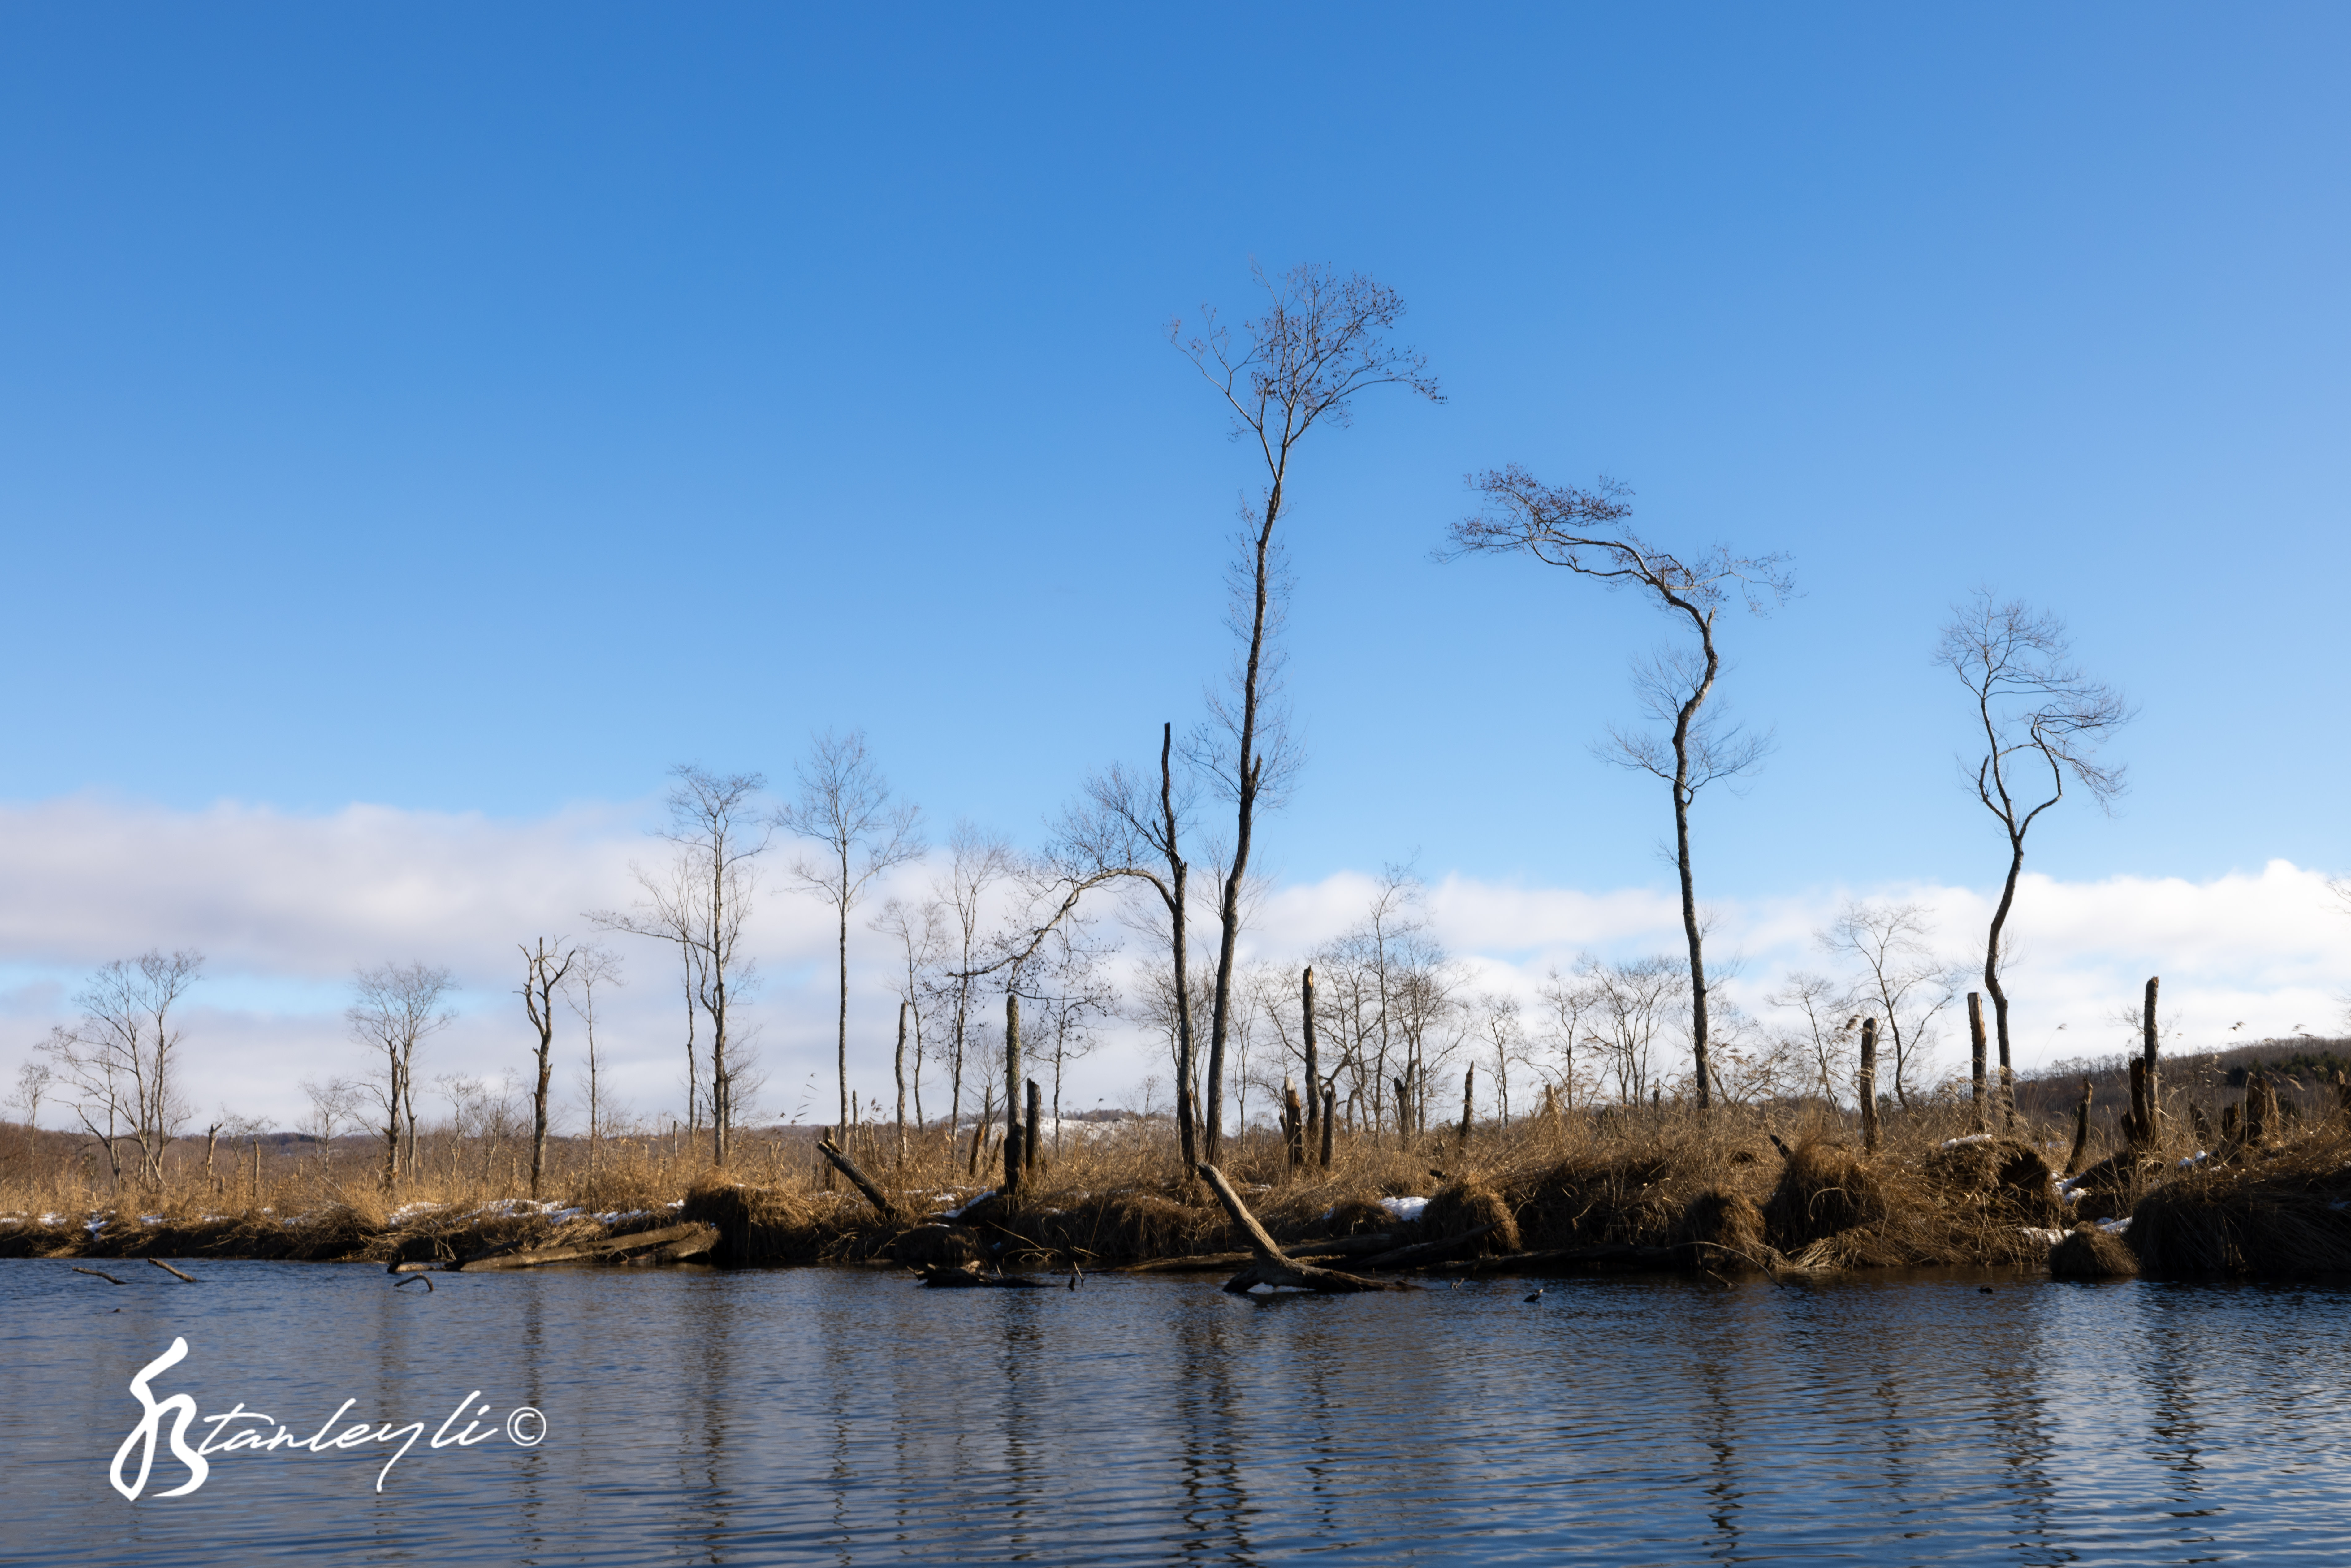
x=1273, y=1267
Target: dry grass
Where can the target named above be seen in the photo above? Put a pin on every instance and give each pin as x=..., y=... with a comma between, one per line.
x=1742, y=1188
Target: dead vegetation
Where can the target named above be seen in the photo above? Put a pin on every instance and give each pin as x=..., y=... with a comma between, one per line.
x=1787, y=1192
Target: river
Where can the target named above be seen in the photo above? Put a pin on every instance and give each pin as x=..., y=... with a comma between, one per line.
x=848, y=1417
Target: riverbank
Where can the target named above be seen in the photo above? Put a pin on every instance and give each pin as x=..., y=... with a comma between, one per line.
x=1740, y=1191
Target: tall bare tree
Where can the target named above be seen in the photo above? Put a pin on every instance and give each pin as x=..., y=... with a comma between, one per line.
x=592, y=964
x=978, y=861
x=1586, y=532
x=1122, y=827
x=844, y=806
x=119, y=1064
x=921, y=931
x=700, y=902
x=2037, y=710
x=394, y=1008
x=546, y=964
x=1321, y=341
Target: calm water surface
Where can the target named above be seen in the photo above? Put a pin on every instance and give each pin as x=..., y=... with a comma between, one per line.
x=815, y=1415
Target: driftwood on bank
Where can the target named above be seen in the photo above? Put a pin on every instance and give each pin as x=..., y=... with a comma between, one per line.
x=674, y=1242
x=858, y=1179
x=1273, y=1267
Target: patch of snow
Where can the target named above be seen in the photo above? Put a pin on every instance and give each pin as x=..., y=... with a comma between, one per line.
x=2196, y=1157
x=2046, y=1238
x=1404, y=1208
x=957, y=1212
x=150, y=1219
x=1971, y=1138
x=408, y=1211
x=2114, y=1227
x=93, y=1226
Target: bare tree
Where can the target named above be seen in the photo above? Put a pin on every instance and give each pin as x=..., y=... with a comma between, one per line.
x=1624, y=1006
x=119, y=1064
x=34, y=1082
x=701, y=903
x=334, y=1104
x=1902, y=980
x=977, y=861
x=1586, y=532
x=1322, y=340
x=2037, y=710
x=844, y=806
x=592, y=964
x=1826, y=1046
x=393, y=1008
x=1506, y=1037
x=1563, y=1000
x=1122, y=828
x=546, y=964
x=922, y=944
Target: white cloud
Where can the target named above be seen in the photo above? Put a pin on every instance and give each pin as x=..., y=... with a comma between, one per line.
x=286, y=905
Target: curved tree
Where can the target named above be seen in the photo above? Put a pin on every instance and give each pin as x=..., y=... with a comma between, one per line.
x=1586, y=532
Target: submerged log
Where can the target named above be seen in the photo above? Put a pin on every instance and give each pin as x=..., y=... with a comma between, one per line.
x=672, y=1240
x=863, y=1184
x=1273, y=1267
x=191, y=1278
x=1202, y=1262
x=967, y=1276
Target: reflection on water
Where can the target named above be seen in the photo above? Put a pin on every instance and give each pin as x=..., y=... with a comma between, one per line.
x=851, y=1417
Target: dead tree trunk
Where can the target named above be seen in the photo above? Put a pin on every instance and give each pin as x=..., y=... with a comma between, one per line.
x=1011, y=1093
x=1314, y=1064
x=857, y=1178
x=1868, y=1085
x=2154, y=1095
x=2081, y=1134
x=1272, y=1265
x=1976, y=1048
x=1468, y=1101
x=1029, y=1134
x=1293, y=1125
x=1330, y=1120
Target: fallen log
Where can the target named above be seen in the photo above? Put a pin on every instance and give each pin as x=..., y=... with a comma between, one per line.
x=701, y=1235
x=98, y=1273
x=1202, y=1262
x=191, y=1278
x=1421, y=1253
x=858, y=1179
x=1273, y=1267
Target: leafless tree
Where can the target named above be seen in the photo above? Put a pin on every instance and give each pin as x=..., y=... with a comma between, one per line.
x=2037, y=710
x=1563, y=1002
x=701, y=902
x=921, y=931
x=977, y=861
x=546, y=964
x=592, y=964
x=1827, y=1046
x=1121, y=828
x=1071, y=992
x=844, y=807
x=119, y=1064
x=1901, y=981
x=393, y=1008
x=1322, y=340
x=1505, y=1039
x=34, y=1082
x=334, y=1104
x=1586, y=532
x=1625, y=1006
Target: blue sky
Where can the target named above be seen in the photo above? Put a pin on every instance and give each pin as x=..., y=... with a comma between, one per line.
x=479, y=411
